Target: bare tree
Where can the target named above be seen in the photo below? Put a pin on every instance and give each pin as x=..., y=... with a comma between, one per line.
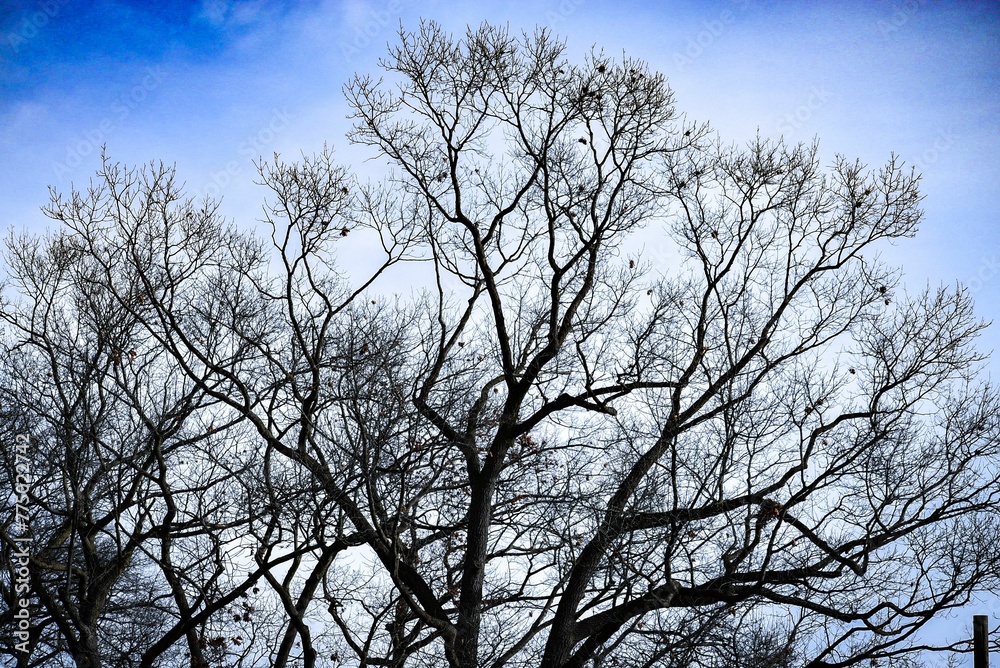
x=747, y=447
x=143, y=487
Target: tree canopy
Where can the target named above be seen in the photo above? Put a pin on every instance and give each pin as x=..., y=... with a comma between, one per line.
x=550, y=446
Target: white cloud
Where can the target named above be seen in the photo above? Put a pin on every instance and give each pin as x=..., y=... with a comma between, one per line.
x=214, y=11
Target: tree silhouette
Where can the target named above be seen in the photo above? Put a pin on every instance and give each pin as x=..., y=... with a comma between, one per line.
x=550, y=446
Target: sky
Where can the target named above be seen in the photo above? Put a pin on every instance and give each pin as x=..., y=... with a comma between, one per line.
x=212, y=85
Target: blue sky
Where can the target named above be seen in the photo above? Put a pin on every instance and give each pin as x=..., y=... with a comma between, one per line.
x=211, y=85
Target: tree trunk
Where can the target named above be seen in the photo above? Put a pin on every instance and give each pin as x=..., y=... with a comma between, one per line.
x=86, y=653
x=474, y=572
